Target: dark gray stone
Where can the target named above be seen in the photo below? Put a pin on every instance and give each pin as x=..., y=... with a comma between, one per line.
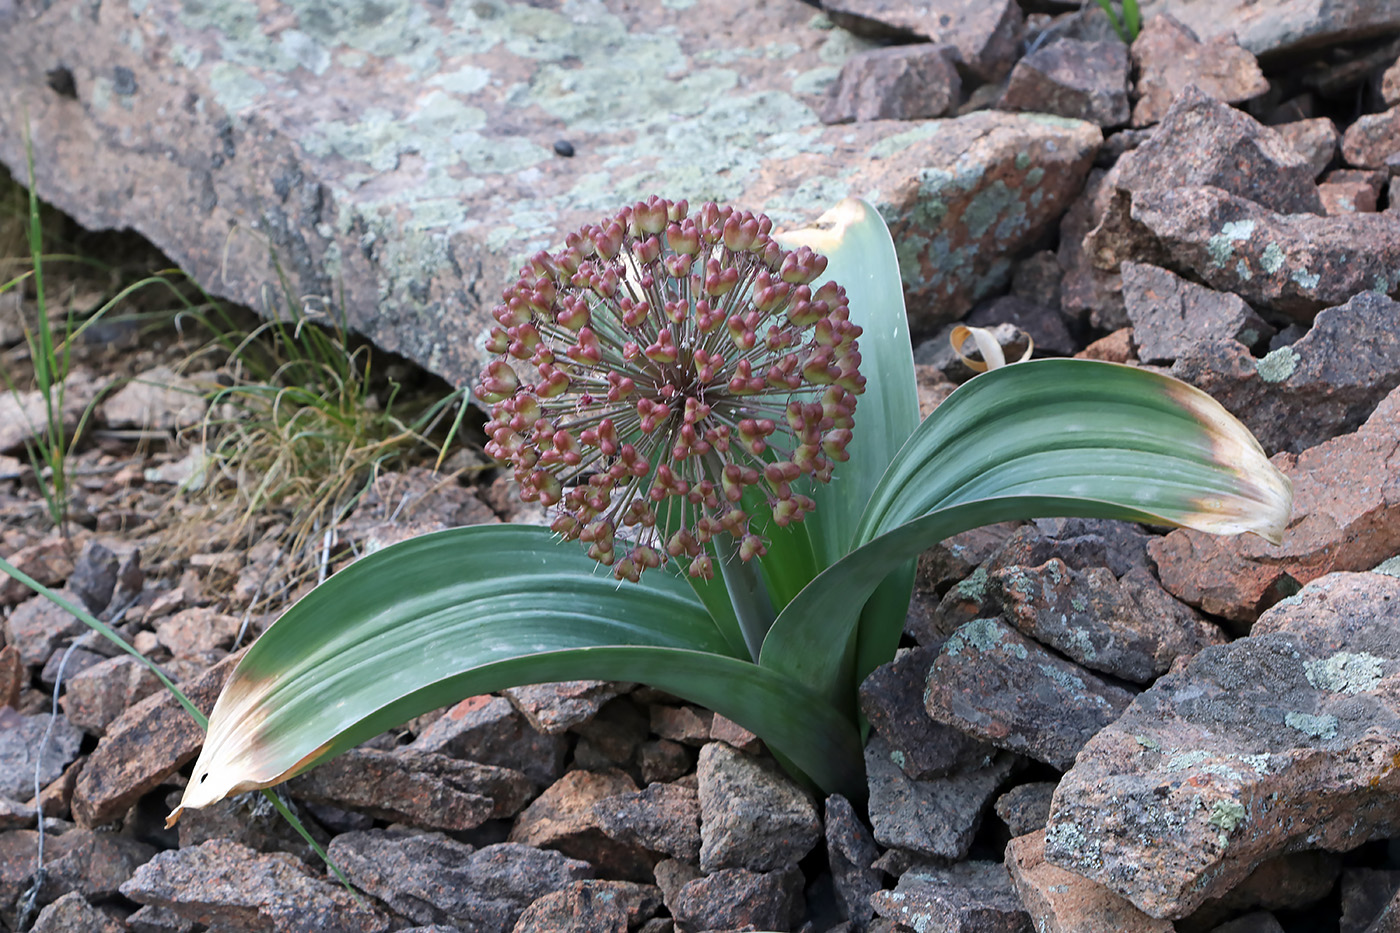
x=431, y=878
x=21, y=738
x=1173, y=317
x=1071, y=78
x=72, y=914
x=94, y=576
x=992, y=682
x=591, y=907
x=663, y=818
x=970, y=897
x=851, y=851
x=1025, y=808
x=986, y=33
x=737, y=899
x=488, y=730
x=936, y=818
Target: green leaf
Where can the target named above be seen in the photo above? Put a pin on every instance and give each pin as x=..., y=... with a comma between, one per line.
x=1049, y=437
x=448, y=615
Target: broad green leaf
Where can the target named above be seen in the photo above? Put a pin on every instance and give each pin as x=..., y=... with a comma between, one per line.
x=448, y=615
x=1050, y=437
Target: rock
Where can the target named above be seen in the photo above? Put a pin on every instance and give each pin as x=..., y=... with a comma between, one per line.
x=554, y=708
x=662, y=818
x=72, y=914
x=21, y=739
x=752, y=815
x=969, y=897
x=734, y=735
x=1282, y=28
x=591, y=907
x=193, y=631
x=1276, y=743
x=420, y=789
x=736, y=898
x=1025, y=807
x=1002, y=180
x=15, y=815
x=488, y=730
x=1315, y=139
x=891, y=699
x=611, y=738
x=938, y=350
x=38, y=628
x=1168, y=57
x=1070, y=78
x=935, y=818
x=1310, y=391
x=1172, y=316
x=1373, y=141
x=1293, y=265
x=13, y=677
x=953, y=559
x=1063, y=902
x=1117, y=347
x=901, y=82
x=94, y=575
x=433, y=879
x=1257, y=922
x=49, y=561
x=158, y=399
x=1082, y=543
x=1343, y=519
x=465, y=178
x=994, y=683
x=94, y=865
x=1365, y=893
x=23, y=415
x=688, y=725
x=158, y=920
x=419, y=494
x=94, y=697
x=986, y=35
x=663, y=760
x=227, y=885
x=1352, y=191
x=851, y=851
x=1130, y=627
x=562, y=818
x=1088, y=294
x=1043, y=324
x=251, y=820
x=143, y=747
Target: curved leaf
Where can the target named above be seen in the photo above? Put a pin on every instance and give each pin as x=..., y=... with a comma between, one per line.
x=1050, y=437
x=431, y=620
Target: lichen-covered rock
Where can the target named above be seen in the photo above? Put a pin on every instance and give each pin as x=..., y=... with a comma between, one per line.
x=228, y=886
x=1275, y=743
x=900, y=82
x=992, y=682
x=431, y=878
x=1072, y=78
x=1293, y=264
x=752, y=815
x=1062, y=902
x=1168, y=56
x=1172, y=316
x=1315, y=139
x=891, y=698
x=1286, y=26
x=1315, y=389
x=1130, y=627
x=1346, y=516
x=969, y=897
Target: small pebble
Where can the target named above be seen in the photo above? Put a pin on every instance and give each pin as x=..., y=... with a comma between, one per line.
x=564, y=148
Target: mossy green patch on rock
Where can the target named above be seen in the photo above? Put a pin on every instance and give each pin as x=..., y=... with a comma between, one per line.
x=1278, y=364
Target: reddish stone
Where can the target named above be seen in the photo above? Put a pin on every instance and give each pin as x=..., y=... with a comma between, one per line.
x=562, y=818
x=986, y=33
x=1072, y=78
x=900, y=82
x=1314, y=139
x=1117, y=347
x=1373, y=141
x=1167, y=56
x=1064, y=902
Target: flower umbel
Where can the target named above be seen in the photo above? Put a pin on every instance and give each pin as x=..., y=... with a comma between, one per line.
x=657, y=368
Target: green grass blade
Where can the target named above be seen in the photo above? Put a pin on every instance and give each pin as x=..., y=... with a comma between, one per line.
x=1051, y=437
x=428, y=621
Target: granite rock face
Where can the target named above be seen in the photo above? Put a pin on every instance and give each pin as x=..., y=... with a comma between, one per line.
x=1063, y=902
x=1275, y=743
x=752, y=816
x=970, y=897
x=986, y=33
x=1346, y=516
x=1283, y=27
x=401, y=155
x=1172, y=316
x=1072, y=78
x=901, y=82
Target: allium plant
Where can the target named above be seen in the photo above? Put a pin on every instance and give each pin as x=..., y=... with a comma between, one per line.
x=680, y=390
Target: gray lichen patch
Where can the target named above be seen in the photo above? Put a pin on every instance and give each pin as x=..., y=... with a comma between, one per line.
x=1322, y=726
x=1278, y=365
x=982, y=635
x=1222, y=245
x=1345, y=672
x=1390, y=567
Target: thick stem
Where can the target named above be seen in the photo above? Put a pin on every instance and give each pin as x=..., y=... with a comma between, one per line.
x=747, y=593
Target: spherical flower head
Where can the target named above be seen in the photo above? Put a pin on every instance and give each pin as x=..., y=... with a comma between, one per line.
x=661, y=367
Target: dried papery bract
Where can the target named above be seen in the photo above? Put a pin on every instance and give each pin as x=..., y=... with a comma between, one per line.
x=660, y=366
